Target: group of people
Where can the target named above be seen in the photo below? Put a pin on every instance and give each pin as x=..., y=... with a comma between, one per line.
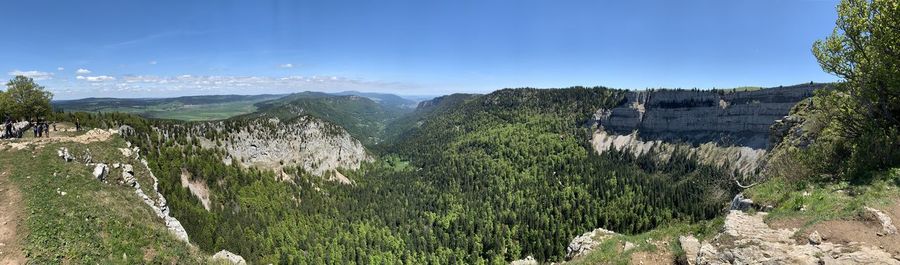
x=42, y=128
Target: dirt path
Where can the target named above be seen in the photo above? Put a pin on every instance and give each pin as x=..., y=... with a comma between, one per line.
x=10, y=218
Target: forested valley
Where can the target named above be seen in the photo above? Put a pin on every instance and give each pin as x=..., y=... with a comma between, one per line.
x=488, y=179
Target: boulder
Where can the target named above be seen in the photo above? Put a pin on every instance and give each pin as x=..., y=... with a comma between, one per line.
x=128, y=174
x=887, y=226
x=691, y=247
x=100, y=171
x=229, y=257
x=65, y=155
x=740, y=203
x=815, y=238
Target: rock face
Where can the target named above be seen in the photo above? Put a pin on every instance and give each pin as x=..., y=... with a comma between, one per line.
x=736, y=118
x=746, y=239
x=315, y=145
x=586, y=242
x=229, y=257
x=744, y=159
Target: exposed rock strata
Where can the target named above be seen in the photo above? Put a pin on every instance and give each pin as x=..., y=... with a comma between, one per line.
x=698, y=116
x=315, y=145
x=745, y=160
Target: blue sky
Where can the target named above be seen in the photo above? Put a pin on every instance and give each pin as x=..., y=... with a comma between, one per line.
x=173, y=48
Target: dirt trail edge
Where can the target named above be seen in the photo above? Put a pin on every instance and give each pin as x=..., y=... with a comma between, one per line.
x=10, y=218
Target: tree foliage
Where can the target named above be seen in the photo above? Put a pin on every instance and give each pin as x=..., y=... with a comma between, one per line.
x=863, y=113
x=25, y=99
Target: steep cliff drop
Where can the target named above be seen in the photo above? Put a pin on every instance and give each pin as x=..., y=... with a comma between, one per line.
x=702, y=116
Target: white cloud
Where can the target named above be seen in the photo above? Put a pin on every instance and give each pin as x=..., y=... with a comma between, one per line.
x=60, y=68
x=287, y=65
x=148, y=85
x=82, y=71
x=99, y=78
x=152, y=62
x=36, y=75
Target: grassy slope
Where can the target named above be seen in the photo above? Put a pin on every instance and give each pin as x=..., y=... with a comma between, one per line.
x=93, y=222
x=817, y=202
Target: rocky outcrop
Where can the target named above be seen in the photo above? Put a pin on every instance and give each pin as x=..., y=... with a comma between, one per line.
x=739, y=203
x=583, y=244
x=100, y=171
x=691, y=247
x=746, y=239
x=701, y=116
x=158, y=205
x=526, y=261
x=229, y=257
x=315, y=145
x=887, y=226
x=743, y=159
x=18, y=129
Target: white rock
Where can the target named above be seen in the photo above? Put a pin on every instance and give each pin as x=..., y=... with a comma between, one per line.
x=526, y=261
x=815, y=238
x=230, y=257
x=691, y=247
x=100, y=171
x=628, y=246
x=586, y=242
x=887, y=226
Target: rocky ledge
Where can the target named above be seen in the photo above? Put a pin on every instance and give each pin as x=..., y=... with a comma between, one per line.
x=701, y=116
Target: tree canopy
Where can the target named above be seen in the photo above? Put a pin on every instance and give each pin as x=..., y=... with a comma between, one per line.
x=864, y=111
x=25, y=99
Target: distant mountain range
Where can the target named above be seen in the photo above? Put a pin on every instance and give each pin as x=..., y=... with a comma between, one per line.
x=213, y=107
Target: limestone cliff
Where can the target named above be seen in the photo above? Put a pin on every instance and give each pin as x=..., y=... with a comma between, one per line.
x=313, y=144
x=701, y=116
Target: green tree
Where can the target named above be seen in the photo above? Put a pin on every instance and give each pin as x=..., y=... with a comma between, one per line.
x=864, y=50
x=26, y=99
x=5, y=105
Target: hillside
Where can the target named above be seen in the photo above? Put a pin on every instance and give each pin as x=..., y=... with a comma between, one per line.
x=518, y=172
x=473, y=166
x=362, y=117
x=58, y=211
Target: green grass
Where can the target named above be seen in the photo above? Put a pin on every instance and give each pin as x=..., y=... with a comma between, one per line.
x=609, y=251
x=816, y=202
x=94, y=223
x=178, y=111
x=203, y=112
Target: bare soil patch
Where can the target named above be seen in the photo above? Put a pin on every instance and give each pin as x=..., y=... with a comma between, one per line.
x=845, y=231
x=10, y=219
